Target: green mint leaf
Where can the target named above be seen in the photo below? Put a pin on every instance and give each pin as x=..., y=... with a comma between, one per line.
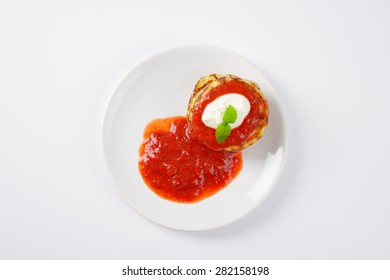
x=223, y=129
x=222, y=132
x=230, y=115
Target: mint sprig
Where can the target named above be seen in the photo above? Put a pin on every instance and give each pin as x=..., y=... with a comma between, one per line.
x=222, y=132
x=223, y=129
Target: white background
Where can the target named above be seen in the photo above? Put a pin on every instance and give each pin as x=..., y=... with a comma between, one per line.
x=329, y=61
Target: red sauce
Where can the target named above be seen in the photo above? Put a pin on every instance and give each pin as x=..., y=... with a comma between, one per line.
x=179, y=168
x=257, y=117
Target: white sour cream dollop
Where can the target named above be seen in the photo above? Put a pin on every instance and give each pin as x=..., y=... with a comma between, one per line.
x=213, y=113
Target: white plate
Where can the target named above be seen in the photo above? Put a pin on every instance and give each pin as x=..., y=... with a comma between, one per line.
x=160, y=87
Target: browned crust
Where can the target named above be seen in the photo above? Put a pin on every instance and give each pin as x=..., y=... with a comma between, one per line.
x=199, y=91
x=207, y=83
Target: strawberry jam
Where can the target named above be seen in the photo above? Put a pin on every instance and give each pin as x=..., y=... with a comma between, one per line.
x=179, y=168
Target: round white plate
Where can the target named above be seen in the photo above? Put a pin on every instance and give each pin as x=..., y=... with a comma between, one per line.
x=161, y=86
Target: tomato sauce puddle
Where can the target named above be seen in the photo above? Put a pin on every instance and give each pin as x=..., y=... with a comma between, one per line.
x=179, y=168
